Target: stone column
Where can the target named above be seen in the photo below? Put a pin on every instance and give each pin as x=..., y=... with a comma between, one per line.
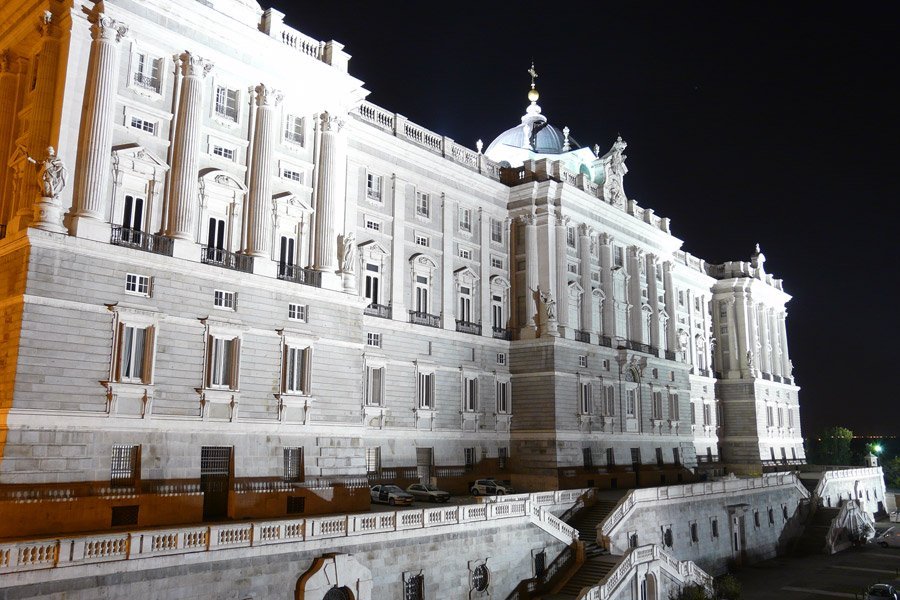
x=608, y=314
x=562, y=273
x=330, y=192
x=400, y=271
x=741, y=333
x=652, y=294
x=775, y=339
x=752, y=354
x=785, y=359
x=8, y=109
x=671, y=303
x=587, y=299
x=765, y=357
x=531, y=274
x=92, y=171
x=259, y=202
x=635, y=299
x=186, y=151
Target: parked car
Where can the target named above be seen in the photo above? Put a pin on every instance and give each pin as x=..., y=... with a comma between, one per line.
x=890, y=538
x=390, y=494
x=428, y=493
x=490, y=487
x=880, y=591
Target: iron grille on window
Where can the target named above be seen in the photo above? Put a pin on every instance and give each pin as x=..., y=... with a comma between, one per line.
x=296, y=505
x=215, y=460
x=480, y=578
x=124, y=463
x=293, y=464
x=413, y=587
x=124, y=515
x=337, y=593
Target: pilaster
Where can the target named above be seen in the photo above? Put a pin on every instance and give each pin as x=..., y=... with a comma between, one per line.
x=608, y=314
x=448, y=306
x=8, y=110
x=399, y=265
x=330, y=195
x=560, y=253
x=529, y=328
x=587, y=301
x=259, y=202
x=484, y=284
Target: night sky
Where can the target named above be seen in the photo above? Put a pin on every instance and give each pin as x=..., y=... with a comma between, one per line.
x=746, y=122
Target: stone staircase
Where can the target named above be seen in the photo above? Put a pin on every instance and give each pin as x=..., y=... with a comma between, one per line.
x=813, y=539
x=591, y=572
x=587, y=520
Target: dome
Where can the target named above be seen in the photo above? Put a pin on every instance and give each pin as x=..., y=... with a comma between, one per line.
x=550, y=140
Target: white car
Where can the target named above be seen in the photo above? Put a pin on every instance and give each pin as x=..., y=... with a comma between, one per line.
x=428, y=493
x=390, y=494
x=890, y=538
x=490, y=487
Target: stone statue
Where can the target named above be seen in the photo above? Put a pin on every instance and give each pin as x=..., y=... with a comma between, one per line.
x=750, y=360
x=682, y=340
x=348, y=253
x=52, y=173
x=549, y=304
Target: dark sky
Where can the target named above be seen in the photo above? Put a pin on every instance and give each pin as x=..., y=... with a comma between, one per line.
x=746, y=122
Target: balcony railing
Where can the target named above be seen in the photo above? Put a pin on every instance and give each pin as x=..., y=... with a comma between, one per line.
x=707, y=458
x=226, y=259
x=147, y=82
x=670, y=355
x=767, y=376
x=703, y=372
x=582, y=336
x=468, y=327
x=299, y=275
x=776, y=378
x=378, y=310
x=605, y=340
x=639, y=347
x=141, y=240
x=501, y=334
x=423, y=318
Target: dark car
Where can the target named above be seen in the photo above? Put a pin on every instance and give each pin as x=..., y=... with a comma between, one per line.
x=880, y=591
x=428, y=493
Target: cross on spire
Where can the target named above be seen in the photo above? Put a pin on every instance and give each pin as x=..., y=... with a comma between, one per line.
x=533, y=74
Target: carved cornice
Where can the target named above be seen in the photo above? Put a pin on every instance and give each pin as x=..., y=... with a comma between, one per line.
x=106, y=28
x=193, y=65
x=267, y=96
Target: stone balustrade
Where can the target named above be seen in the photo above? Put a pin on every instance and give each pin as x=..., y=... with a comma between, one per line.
x=685, y=572
x=114, y=546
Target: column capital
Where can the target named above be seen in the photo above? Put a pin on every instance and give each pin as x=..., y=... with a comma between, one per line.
x=46, y=27
x=605, y=239
x=193, y=65
x=562, y=220
x=267, y=95
x=106, y=28
x=527, y=219
x=5, y=62
x=585, y=230
x=331, y=122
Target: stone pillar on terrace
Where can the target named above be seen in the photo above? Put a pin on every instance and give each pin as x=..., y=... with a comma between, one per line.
x=775, y=339
x=92, y=171
x=259, y=204
x=786, y=369
x=528, y=329
x=765, y=358
x=656, y=336
x=330, y=194
x=608, y=314
x=183, y=201
x=562, y=275
x=587, y=300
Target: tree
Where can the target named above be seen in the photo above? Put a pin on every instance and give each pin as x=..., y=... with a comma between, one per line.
x=833, y=446
x=892, y=472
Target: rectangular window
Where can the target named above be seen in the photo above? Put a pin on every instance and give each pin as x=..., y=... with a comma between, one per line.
x=123, y=470
x=502, y=457
x=501, y=358
x=226, y=153
x=373, y=187
x=137, y=284
x=497, y=320
x=414, y=587
x=143, y=125
x=636, y=456
x=426, y=390
x=680, y=297
x=770, y=419
x=146, y=72
x=374, y=386
x=584, y=398
x=465, y=253
x=470, y=391
x=373, y=284
x=496, y=262
x=497, y=231
x=293, y=130
x=373, y=225
x=465, y=219
x=570, y=237
x=373, y=339
x=674, y=412
x=629, y=403
x=423, y=205
x=659, y=456
x=657, y=406
x=133, y=219
x=293, y=464
x=707, y=415
x=135, y=354
x=465, y=304
x=610, y=457
x=697, y=304
x=676, y=456
x=587, y=458
x=715, y=528
x=422, y=289
x=296, y=370
x=723, y=309
x=469, y=458
x=297, y=312
x=582, y=361
x=572, y=268
x=502, y=397
x=693, y=413
x=373, y=461
x=422, y=240
x=222, y=362
x=619, y=256
x=292, y=175
x=609, y=402
x=227, y=103
x=223, y=299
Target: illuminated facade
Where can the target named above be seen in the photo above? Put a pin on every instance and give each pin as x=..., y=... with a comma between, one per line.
x=244, y=285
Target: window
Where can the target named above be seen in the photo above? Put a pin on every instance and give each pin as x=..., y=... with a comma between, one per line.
x=609, y=402
x=470, y=393
x=582, y=361
x=465, y=219
x=572, y=268
x=618, y=256
x=784, y=508
x=497, y=320
x=657, y=406
x=465, y=253
x=143, y=125
x=707, y=415
x=146, y=72
x=297, y=312
x=373, y=224
x=423, y=205
x=292, y=175
x=502, y=397
x=697, y=304
x=695, y=535
x=480, y=578
x=756, y=518
x=771, y=516
x=373, y=461
x=373, y=339
x=497, y=231
x=223, y=299
x=223, y=362
x=502, y=457
x=124, y=465
x=137, y=284
x=293, y=464
x=421, y=293
x=570, y=237
x=414, y=587
x=469, y=458
x=693, y=413
x=296, y=505
x=296, y=370
x=227, y=103
x=770, y=418
x=374, y=386
x=680, y=297
x=610, y=457
x=226, y=153
x=373, y=187
x=674, y=412
x=501, y=358
x=723, y=309
x=636, y=456
x=422, y=240
x=659, y=456
x=373, y=283
x=496, y=262
x=629, y=403
x=426, y=391
x=780, y=417
x=215, y=238
x=715, y=528
x=605, y=364
x=133, y=219
x=134, y=363
x=465, y=304
x=293, y=130
x=667, y=536
x=676, y=456
x=584, y=397
x=587, y=458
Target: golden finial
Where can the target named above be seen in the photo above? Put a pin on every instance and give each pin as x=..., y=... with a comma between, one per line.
x=533, y=93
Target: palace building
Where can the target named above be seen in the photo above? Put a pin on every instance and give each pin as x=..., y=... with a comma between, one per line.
x=233, y=288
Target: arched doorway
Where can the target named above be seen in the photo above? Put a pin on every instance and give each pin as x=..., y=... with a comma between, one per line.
x=338, y=593
x=335, y=577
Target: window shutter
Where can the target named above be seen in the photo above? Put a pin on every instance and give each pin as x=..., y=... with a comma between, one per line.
x=285, y=351
x=306, y=380
x=210, y=342
x=149, y=353
x=234, y=380
x=117, y=352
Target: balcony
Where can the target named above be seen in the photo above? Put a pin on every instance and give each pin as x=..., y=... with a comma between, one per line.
x=300, y=275
x=378, y=310
x=707, y=458
x=776, y=378
x=582, y=336
x=147, y=82
x=140, y=240
x=468, y=327
x=423, y=318
x=639, y=347
x=703, y=372
x=226, y=260
x=767, y=376
x=501, y=333
x=670, y=355
x=605, y=340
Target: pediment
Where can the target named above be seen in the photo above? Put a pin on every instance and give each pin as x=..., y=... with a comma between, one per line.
x=222, y=178
x=372, y=247
x=422, y=259
x=138, y=153
x=466, y=273
x=293, y=200
x=500, y=282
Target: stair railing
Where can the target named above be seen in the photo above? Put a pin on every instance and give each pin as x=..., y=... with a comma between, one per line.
x=550, y=578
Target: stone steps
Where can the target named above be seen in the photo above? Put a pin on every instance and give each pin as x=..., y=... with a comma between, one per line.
x=591, y=573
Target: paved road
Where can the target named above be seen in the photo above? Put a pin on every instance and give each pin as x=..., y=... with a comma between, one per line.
x=844, y=575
